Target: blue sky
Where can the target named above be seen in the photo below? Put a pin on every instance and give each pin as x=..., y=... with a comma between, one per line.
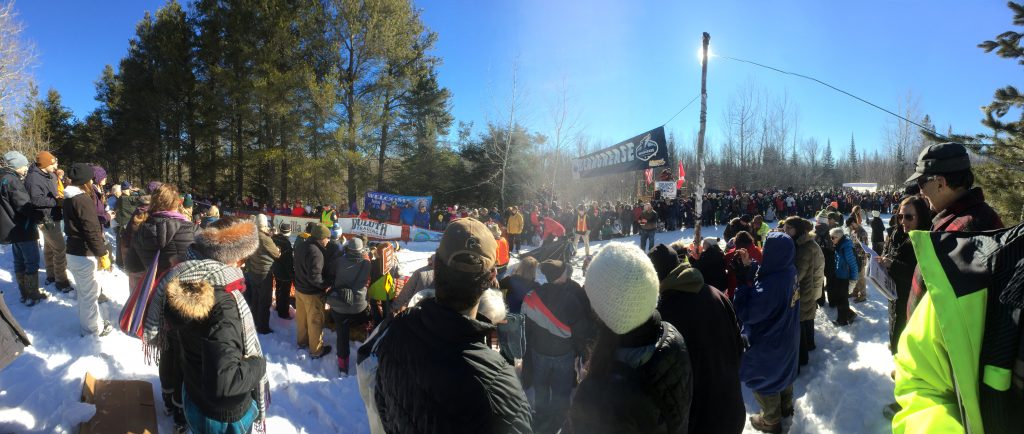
x=629, y=66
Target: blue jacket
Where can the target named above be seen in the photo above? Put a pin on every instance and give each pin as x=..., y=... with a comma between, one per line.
x=407, y=215
x=846, y=261
x=422, y=220
x=770, y=318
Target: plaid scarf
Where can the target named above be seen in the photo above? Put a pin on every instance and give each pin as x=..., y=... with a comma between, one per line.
x=221, y=276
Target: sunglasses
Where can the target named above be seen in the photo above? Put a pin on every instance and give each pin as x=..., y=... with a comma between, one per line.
x=925, y=180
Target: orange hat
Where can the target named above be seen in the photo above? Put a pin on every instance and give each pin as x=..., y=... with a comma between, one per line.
x=45, y=159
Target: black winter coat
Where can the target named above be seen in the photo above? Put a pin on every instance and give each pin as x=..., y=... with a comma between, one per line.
x=82, y=227
x=877, y=231
x=284, y=265
x=712, y=266
x=706, y=319
x=169, y=236
x=309, y=268
x=649, y=391
x=16, y=223
x=569, y=332
x=207, y=324
x=437, y=375
x=42, y=192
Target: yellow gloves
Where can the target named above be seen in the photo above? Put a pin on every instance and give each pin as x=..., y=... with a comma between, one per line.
x=104, y=263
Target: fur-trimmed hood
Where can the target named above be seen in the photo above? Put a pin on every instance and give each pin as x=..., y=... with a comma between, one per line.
x=193, y=301
x=228, y=245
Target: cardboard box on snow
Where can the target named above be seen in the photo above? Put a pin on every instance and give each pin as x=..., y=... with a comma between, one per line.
x=122, y=406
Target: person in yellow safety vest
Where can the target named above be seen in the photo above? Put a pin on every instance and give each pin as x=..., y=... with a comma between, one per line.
x=582, y=229
x=328, y=217
x=958, y=364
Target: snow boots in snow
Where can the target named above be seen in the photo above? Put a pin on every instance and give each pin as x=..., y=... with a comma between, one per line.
x=760, y=424
x=33, y=294
x=22, y=287
x=323, y=352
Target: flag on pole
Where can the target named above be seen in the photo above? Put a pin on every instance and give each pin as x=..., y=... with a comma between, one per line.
x=682, y=176
x=649, y=175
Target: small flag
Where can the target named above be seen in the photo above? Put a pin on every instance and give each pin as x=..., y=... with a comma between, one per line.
x=682, y=176
x=649, y=175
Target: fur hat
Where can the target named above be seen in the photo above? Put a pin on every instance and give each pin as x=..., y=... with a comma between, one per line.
x=16, y=160
x=228, y=240
x=664, y=259
x=875, y=213
x=622, y=286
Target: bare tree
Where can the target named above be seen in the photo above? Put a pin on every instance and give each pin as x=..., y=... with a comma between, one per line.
x=564, y=131
x=903, y=139
x=16, y=60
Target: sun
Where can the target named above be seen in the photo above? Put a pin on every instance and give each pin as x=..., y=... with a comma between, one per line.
x=700, y=54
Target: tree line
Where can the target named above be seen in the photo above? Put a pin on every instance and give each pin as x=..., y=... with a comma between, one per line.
x=324, y=100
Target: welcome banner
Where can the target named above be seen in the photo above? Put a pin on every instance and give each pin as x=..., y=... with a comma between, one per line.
x=356, y=226
x=373, y=200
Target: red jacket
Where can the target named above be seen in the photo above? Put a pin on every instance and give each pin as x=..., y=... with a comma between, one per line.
x=552, y=227
x=298, y=211
x=969, y=213
x=730, y=274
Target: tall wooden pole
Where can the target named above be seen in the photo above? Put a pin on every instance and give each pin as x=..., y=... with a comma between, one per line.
x=699, y=188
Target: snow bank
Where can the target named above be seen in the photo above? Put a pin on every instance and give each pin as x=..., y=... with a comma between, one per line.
x=842, y=390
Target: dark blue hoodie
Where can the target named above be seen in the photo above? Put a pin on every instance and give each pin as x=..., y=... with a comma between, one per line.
x=770, y=318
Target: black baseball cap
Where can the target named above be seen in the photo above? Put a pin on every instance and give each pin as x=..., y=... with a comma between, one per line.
x=939, y=159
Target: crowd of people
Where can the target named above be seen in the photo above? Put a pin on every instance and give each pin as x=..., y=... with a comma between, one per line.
x=657, y=338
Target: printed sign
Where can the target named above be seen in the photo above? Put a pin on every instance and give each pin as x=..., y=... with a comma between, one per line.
x=667, y=189
x=373, y=200
x=878, y=276
x=423, y=235
x=371, y=228
x=638, y=153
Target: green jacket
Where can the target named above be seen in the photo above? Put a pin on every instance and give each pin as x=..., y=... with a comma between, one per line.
x=940, y=383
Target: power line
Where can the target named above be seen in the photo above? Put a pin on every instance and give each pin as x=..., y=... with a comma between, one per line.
x=835, y=89
x=681, y=110
x=978, y=150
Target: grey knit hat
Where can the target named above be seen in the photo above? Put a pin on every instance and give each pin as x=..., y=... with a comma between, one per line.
x=16, y=160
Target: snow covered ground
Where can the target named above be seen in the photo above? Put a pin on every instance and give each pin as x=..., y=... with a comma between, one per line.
x=842, y=390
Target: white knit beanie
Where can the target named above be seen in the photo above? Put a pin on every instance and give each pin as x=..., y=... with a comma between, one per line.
x=622, y=287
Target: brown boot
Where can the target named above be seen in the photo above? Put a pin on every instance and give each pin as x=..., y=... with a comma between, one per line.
x=32, y=291
x=760, y=424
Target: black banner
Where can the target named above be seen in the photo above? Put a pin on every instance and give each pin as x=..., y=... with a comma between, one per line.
x=639, y=153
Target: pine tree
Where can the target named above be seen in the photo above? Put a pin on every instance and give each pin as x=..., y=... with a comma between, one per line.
x=59, y=126
x=828, y=166
x=851, y=159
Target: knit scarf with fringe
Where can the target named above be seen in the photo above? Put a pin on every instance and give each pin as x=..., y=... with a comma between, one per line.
x=221, y=276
